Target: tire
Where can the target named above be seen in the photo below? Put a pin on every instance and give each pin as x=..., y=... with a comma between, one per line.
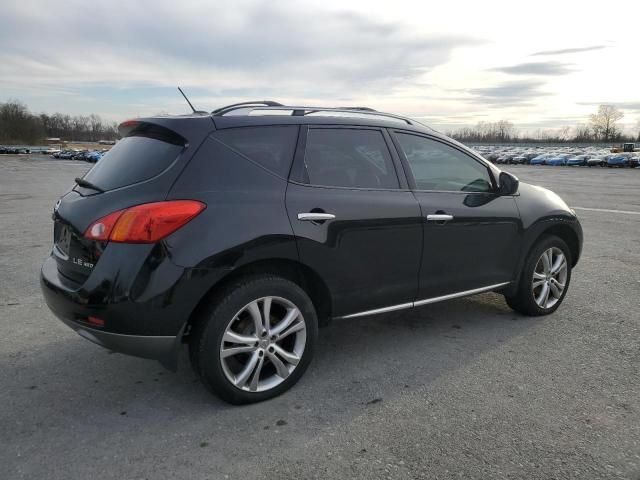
x=525, y=299
x=233, y=311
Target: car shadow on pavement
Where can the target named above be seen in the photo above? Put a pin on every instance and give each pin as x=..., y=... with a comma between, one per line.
x=357, y=361
x=70, y=393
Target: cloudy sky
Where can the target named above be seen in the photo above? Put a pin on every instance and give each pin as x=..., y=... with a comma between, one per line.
x=540, y=64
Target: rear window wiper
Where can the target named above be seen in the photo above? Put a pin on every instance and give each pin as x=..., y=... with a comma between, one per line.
x=87, y=184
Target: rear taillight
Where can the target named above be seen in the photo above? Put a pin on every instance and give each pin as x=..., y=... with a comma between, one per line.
x=101, y=229
x=147, y=223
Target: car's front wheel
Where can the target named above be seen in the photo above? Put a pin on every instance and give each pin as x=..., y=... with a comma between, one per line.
x=256, y=341
x=544, y=279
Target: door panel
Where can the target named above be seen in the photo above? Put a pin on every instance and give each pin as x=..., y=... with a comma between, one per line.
x=369, y=255
x=472, y=235
x=478, y=247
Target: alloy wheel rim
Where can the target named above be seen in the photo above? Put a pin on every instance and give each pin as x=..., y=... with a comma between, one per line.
x=549, y=278
x=263, y=344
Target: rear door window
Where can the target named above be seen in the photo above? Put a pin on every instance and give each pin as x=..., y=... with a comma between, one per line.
x=142, y=155
x=349, y=157
x=271, y=147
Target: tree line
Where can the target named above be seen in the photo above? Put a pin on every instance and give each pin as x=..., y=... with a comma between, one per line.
x=19, y=126
x=601, y=127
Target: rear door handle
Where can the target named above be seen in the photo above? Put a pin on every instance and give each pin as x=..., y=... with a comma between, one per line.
x=439, y=217
x=315, y=217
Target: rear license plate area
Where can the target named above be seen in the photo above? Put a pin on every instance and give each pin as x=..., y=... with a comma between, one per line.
x=62, y=241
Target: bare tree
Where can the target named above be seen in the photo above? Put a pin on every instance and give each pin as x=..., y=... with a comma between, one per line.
x=604, y=122
x=563, y=133
x=95, y=123
x=583, y=133
x=502, y=131
x=79, y=127
x=505, y=130
x=17, y=125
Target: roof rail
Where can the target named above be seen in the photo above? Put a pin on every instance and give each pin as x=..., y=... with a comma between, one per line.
x=236, y=106
x=302, y=111
x=366, y=109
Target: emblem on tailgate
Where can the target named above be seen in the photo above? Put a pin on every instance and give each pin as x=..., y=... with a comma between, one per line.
x=80, y=262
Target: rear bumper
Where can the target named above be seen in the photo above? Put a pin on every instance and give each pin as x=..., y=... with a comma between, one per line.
x=163, y=349
x=148, y=328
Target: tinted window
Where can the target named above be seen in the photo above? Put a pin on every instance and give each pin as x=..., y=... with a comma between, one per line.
x=349, y=158
x=436, y=166
x=132, y=160
x=271, y=147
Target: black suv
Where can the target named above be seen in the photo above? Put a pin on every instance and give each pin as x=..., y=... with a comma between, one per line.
x=239, y=232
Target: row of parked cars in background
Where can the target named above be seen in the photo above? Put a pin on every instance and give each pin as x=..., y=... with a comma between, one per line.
x=86, y=155
x=590, y=156
x=558, y=156
x=68, y=154
x=14, y=150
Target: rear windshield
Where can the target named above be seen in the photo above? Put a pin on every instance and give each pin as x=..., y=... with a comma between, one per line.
x=135, y=158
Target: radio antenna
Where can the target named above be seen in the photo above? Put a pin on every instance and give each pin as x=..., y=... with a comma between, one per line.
x=185, y=97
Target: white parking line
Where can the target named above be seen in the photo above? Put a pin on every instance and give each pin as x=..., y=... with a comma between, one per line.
x=605, y=210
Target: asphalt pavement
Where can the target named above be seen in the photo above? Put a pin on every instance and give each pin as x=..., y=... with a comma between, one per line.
x=461, y=389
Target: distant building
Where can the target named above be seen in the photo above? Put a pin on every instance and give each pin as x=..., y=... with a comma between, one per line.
x=53, y=140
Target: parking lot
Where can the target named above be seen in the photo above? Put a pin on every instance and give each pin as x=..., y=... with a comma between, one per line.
x=461, y=389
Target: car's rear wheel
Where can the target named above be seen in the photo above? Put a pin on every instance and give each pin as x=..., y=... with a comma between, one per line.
x=544, y=279
x=256, y=341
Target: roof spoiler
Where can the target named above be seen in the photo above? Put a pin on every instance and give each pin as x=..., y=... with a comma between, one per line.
x=143, y=128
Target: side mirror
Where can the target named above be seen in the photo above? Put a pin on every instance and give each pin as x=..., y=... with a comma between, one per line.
x=507, y=184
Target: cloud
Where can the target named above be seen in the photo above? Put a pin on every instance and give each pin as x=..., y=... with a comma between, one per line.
x=508, y=93
x=554, y=122
x=537, y=68
x=564, y=51
x=290, y=50
x=635, y=105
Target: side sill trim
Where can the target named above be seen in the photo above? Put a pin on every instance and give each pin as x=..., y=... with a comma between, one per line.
x=392, y=308
x=459, y=294
x=427, y=301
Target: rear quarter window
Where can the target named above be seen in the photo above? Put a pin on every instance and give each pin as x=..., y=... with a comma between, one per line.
x=140, y=156
x=271, y=147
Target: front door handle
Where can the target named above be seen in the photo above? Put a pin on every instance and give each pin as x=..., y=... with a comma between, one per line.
x=439, y=217
x=315, y=217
